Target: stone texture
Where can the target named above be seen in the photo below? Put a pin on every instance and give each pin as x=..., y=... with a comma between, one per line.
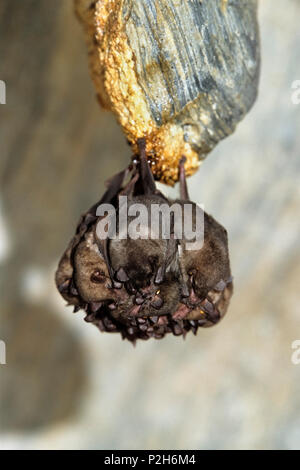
x=181, y=74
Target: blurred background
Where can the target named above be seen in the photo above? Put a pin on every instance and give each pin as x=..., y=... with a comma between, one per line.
x=65, y=385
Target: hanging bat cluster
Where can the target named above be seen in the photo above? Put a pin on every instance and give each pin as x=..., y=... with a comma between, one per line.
x=179, y=76
x=145, y=288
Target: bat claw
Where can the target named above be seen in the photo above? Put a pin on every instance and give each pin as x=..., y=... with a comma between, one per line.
x=220, y=286
x=95, y=306
x=112, y=306
x=138, y=300
x=159, y=275
x=117, y=285
x=157, y=302
x=121, y=275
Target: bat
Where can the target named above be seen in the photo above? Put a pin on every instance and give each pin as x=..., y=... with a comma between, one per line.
x=145, y=287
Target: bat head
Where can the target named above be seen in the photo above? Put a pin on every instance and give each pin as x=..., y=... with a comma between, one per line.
x=91, y=274
x=139, y=261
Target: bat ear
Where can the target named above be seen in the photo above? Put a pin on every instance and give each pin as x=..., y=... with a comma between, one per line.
x=103, y=247
x=147, y=178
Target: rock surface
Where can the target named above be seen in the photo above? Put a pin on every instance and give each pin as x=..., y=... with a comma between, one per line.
x=179, y=74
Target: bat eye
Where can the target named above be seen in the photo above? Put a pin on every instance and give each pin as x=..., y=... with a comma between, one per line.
x=98, y=277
